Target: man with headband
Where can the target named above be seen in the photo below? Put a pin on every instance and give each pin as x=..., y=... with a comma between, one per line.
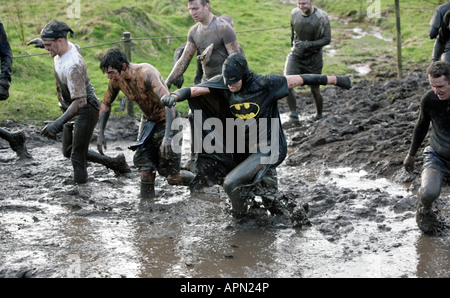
x=249, y=100
x=16, y=140
x=78, y=102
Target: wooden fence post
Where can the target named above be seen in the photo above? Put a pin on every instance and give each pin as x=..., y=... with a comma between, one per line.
x=127, y=48
x=399, y=41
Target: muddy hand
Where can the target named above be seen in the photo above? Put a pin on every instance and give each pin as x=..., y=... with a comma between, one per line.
x=51, y=129
x=169, y=100
x=101, y=143
x=166, y=147
x=409, y=163
x=343, y=82
x=37, y=42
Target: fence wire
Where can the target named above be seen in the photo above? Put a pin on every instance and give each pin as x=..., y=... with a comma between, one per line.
x=184, y=37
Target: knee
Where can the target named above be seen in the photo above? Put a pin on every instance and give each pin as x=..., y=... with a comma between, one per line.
x=427, y=195
x=148, y=176
x=228, y=185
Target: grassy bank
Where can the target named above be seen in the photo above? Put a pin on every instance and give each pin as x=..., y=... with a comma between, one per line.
x=33, y=96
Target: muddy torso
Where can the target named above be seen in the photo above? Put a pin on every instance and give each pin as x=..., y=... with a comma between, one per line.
x=142, y=89
x=310, y=28
x=438, y=112
x=218, y=32
x=72, y=80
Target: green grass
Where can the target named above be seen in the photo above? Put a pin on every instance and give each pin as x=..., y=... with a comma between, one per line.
x=33, y=95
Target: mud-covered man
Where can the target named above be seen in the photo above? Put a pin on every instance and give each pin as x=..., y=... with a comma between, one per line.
x=143, y=84
x=16, y=140
x=310, y=32
x=213, y=39
x=441, y=49
x=199, y=73
x=251, y=99
x=78, y=102
x=434, y=110
x=211, y=36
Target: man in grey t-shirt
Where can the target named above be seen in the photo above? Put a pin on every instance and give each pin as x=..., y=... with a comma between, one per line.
x=311, y=31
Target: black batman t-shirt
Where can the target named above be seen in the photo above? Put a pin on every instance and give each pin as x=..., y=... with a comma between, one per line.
x=251, y=119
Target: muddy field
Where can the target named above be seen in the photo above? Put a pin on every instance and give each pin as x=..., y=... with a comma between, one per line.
x=345, y=169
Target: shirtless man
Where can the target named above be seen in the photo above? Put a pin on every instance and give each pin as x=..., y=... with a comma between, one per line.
x=311, y=31
x=16, y=140
x=144, y=84
x=435, y=110
x=78, y=102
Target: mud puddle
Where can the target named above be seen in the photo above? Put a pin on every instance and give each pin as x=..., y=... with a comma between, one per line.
x=50, y=228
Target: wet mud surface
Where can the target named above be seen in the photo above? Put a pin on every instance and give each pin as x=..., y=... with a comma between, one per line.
x=345, y=169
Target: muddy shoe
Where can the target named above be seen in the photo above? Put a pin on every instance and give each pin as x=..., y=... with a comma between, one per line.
x=182, y=178
x=17, y=144
x=426, y=220
x=119, y=165
x=293, y=121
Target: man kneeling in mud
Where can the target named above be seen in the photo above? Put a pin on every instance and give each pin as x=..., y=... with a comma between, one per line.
x=144, y=84
x=16, y=140
x=240, y=93
x=434, y=109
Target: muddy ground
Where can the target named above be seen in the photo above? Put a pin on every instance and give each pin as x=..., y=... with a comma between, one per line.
x=346, y=167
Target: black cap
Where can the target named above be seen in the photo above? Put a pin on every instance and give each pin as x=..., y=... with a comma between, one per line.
x=54, y=30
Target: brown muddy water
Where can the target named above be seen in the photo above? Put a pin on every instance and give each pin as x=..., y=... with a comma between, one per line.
x=51, y=228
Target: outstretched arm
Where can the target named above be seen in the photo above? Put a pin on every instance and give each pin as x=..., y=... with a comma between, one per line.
x=314, y=79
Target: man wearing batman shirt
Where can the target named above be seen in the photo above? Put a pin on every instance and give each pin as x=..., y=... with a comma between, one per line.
x=240, y=93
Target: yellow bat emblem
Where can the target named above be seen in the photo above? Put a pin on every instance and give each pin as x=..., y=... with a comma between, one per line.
x=246, y=110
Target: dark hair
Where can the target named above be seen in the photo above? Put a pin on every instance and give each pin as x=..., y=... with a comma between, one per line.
x=114, y=58
x=438, y=69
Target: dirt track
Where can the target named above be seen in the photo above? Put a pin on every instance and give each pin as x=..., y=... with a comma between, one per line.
x=346, y=167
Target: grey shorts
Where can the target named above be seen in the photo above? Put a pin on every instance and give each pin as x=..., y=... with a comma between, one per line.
x=149, y=157
x=298, y=65
x=431, y=160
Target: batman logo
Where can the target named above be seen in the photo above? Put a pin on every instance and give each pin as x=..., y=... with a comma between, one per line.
x=246, y=110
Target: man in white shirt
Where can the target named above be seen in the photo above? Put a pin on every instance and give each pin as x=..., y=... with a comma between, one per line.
x=78, y=102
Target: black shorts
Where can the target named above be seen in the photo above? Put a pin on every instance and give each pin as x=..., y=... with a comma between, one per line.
x=312, y=64
x=148, y=157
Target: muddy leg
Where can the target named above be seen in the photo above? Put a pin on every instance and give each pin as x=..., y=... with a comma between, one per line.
x=318, y=101
x=292, y=103
x=118, y=164
x=148, y=184
x=239, y=176
x=429, y=191
x=16, y=141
